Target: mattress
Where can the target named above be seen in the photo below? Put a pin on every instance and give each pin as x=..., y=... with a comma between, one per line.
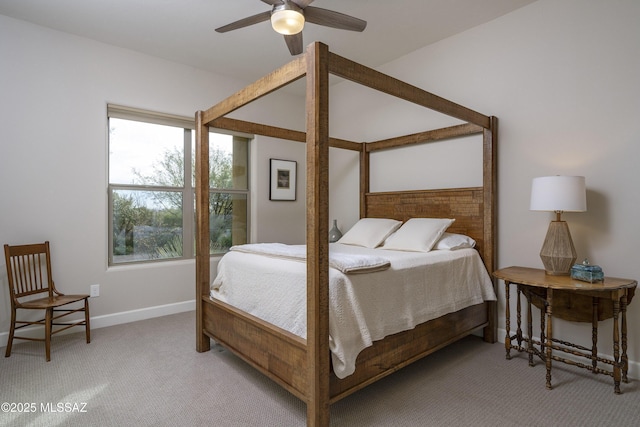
x=364, y=307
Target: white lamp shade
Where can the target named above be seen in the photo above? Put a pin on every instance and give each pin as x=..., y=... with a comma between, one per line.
x=559, y=193
x=287, y=22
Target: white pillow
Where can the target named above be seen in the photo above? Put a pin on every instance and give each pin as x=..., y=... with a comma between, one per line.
x=452, y=241
x=370, y=232
x=418, y=234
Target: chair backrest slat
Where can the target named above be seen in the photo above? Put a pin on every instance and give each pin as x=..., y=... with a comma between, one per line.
x=28, y=269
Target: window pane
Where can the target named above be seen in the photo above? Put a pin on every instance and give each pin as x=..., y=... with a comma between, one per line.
x=227, y=221
x=228, y=162
x=146, y=225
x=145, y=153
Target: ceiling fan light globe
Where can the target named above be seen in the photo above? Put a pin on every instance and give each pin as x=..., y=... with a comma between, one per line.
x=287, y=22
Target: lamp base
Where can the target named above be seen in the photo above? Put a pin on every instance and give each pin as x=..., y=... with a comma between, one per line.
x=558, y=253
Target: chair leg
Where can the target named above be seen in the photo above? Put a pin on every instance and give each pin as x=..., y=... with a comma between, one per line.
x=12, y=330
x=86, y=319
x=47, y=332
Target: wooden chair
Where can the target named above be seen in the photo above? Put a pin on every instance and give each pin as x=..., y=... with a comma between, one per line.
x=29, y=273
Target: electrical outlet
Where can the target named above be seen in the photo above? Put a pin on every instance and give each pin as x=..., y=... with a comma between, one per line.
x=95, y=291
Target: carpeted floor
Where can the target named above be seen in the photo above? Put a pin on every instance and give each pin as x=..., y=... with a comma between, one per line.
x=148, y=374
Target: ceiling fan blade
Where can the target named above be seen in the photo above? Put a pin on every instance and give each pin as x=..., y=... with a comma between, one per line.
x=294, y=43
x=264, y=16
x=333, y=19
x=301, y=3
x=273, y=2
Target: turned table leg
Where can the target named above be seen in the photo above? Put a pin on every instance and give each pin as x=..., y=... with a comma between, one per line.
x=549, y=355
x=594, y=334
x=625, y=359
x=507, y=316
x=529, y=329
x=519, y=316
x=616, y=346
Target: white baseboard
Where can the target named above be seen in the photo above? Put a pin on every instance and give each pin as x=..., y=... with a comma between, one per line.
x=634, y=366
x=114, y=319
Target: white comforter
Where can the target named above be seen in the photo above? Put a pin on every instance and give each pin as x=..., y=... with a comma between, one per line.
x=363, y=308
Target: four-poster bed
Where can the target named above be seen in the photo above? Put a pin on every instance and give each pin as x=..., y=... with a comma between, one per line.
x=301, y=366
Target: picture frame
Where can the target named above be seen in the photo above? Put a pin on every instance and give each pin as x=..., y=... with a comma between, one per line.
x=282, y=180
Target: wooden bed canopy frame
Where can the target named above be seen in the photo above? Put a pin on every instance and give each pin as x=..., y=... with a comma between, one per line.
x=302, y=366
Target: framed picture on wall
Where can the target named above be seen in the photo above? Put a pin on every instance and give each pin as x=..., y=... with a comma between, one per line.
x=282, y=177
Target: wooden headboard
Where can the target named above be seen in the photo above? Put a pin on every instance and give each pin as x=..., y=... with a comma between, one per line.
x=466, y=205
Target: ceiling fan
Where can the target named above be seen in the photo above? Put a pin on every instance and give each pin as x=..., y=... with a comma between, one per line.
x=288, y=18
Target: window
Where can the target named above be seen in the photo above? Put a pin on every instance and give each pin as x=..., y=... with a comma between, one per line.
x=151, y=187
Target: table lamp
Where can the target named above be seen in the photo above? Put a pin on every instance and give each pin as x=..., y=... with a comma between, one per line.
x=558, y=194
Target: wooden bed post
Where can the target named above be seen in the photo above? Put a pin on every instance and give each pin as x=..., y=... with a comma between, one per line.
x=318, y=356
x=490, y=171
x=203, y=263
x=364, y=179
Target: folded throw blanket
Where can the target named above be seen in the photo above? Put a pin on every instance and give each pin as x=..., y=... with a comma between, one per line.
x=346, y=263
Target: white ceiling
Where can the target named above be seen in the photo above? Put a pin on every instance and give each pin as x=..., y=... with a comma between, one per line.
x=183, y=30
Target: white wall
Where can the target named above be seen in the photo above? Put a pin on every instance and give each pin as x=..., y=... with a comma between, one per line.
x=280, y=221
x=562, y=77
x=53, y=159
